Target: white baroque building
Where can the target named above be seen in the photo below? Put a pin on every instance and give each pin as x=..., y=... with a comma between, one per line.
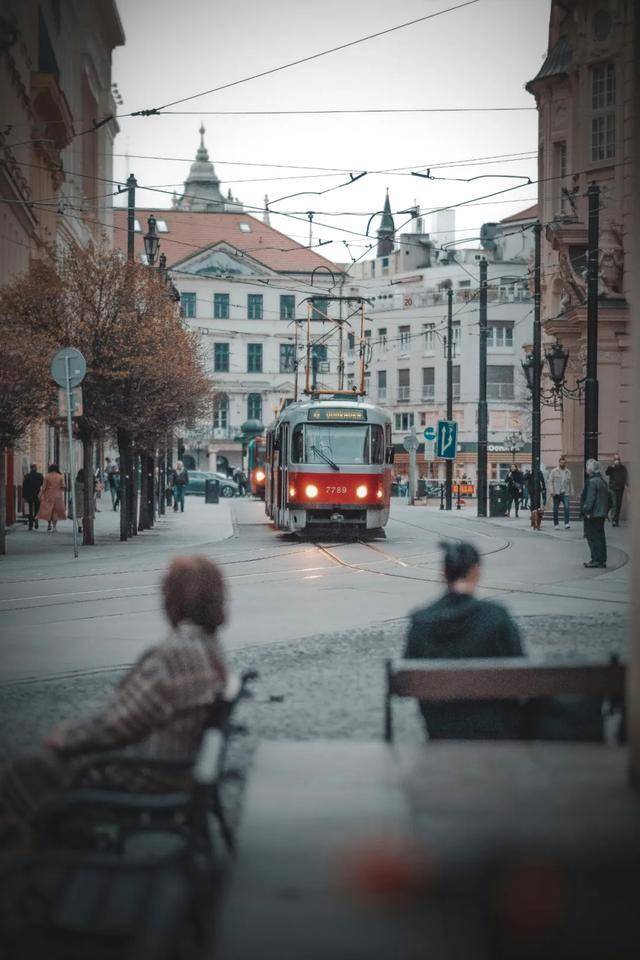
x=406, y=328
x=242, y=286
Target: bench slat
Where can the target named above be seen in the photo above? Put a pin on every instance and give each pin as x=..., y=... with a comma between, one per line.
x=501, y=679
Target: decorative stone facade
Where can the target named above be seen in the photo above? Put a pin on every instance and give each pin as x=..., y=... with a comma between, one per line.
x=584, y=96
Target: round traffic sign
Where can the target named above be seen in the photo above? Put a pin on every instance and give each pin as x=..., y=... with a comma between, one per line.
x=75, y=369
x=430, y=433
x=410, y=442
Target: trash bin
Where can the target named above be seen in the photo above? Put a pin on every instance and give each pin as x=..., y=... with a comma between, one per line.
x=498, y=500
x=211, y=491
x=422, y=488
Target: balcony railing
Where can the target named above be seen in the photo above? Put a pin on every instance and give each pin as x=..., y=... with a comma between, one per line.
x=428, y=392
x=499, y=391
x=403, y=393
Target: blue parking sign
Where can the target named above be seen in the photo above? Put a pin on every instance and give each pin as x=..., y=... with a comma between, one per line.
x=447, y=439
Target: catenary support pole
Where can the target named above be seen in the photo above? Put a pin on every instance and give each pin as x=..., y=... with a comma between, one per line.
x=131, y=215
x=537, y=372
x=449, y=463
x=482, y=395
x=72, y=465
x=591, y=383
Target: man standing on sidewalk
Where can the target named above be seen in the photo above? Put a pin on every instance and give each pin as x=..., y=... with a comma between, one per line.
x=618, y=480
x=561, y=488
x=31, y=493
x=595, y=507
x=179, y=480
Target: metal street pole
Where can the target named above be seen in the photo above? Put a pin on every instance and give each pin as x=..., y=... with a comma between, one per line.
x=72, y=465
x=449, y=463
x=537, y=372
x=132, y=183
x=482, y=396
x=591, y=383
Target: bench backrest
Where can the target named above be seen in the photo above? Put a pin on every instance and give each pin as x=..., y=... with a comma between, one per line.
x=517, y=678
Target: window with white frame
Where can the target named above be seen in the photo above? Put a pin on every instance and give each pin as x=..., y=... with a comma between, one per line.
x=404, y=384
x=404, y=337
x=499, y=382
x=382, y=337
x=382, y=384
x=428, y=383
x=404, y=421
x=188, y=304
x=500, y=335
x=603, y=112
x=560, y=173
x=456, y=338
x=429, y=335
x=455, y=381
x=221, y=412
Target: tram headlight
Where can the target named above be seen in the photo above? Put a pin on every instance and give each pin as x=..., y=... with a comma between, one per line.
x=379, y=494
x=260, y=475
x=311, y=491
x=361, y=491
x=292, y=492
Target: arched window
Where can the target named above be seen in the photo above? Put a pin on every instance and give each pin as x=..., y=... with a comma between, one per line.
x=254, y=407
x=221, y=412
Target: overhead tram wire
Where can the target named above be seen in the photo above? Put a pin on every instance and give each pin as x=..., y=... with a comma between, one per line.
x=338, y=111
x=301, y=60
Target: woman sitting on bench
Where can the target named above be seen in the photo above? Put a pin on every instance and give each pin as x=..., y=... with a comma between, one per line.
x=160, y=706
x=458, y=625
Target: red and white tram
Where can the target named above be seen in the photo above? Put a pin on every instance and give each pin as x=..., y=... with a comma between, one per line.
x=328, y=464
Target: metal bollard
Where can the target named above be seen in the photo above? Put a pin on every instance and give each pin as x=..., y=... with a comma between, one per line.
x=459, y=500
x=442, y=496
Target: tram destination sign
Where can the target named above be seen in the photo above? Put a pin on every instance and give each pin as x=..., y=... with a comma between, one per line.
x=337, y=414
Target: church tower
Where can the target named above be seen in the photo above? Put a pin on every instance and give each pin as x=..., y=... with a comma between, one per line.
x=202, y=187
x=386, y=231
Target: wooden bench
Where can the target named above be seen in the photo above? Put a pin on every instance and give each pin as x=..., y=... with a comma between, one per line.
x=502, y=679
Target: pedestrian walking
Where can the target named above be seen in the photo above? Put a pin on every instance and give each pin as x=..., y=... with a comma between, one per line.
x=515, y=479
x=561, y=488
x=98, y=487
x=595, y=504
x=458, y=625
x=538, y=513
x=161, y=706
x=52, y=492
x=112, y=471
x=524, y=502
x=31, y=486
x=618, y=479
x=179, y=480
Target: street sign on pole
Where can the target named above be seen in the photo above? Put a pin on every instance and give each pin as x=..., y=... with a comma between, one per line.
x=68, y=368
x=430, y=433
x=447, y=439
x=429, y=449
x=76, y=402
x=77, y=367
x=410, y=442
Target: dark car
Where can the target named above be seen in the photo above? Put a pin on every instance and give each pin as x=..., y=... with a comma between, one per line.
x=197, y=478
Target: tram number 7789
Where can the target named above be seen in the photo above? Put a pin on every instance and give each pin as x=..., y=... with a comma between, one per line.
x=335, y=489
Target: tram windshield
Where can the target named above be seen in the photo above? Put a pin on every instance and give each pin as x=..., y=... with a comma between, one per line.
x=337, y=443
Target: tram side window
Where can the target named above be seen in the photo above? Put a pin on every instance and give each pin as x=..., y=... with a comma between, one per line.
x=377, y=444
x=297, y=444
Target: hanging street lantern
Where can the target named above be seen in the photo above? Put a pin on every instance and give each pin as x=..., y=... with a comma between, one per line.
x=557, y=358
x=151, y=241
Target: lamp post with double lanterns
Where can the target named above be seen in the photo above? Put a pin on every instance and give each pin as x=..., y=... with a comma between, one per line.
x=557, y=359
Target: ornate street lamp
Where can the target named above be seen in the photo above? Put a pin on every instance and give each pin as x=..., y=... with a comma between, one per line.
x=513, y=442
x=557, y=358
x=151, y=241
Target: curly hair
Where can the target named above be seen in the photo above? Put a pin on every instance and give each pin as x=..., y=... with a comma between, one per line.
x=194, y=591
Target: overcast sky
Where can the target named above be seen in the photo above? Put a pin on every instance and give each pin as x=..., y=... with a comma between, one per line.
x=477, y=56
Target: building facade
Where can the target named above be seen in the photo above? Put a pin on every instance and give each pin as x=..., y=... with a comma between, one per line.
x=55, y=81
x=244, y=288
x=586, y=113
x=406, y=337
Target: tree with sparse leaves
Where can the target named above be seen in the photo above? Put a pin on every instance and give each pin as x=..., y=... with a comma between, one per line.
x=144, y=373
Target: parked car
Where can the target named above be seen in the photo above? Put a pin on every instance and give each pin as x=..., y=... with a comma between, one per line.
x=197, y=478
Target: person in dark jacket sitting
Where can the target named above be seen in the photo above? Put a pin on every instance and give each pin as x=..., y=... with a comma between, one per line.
x=460, y=626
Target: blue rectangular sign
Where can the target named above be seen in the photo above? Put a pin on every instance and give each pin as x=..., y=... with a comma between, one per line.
x=447, y=439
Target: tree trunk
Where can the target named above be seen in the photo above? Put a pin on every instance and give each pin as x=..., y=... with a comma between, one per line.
x=3, y=499
x=133, y=493
x=143, y=509
x=151, y=488
x=162, y=475
x=124, y=445
x=88, y=538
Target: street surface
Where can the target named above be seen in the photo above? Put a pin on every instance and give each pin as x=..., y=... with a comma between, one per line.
x=60, y=616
